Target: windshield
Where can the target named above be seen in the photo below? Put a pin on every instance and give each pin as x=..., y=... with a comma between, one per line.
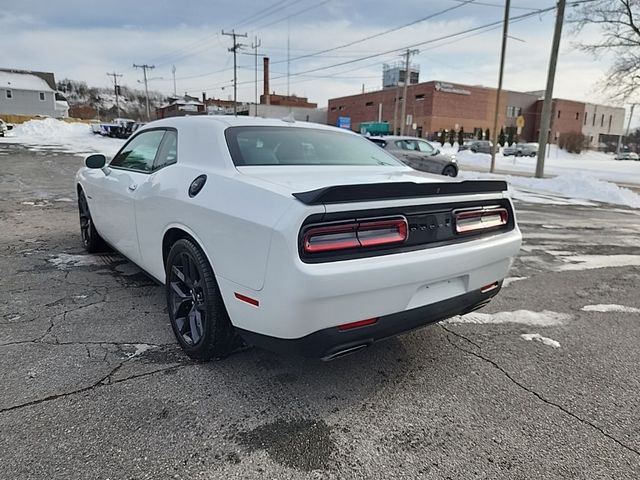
x=258, y=145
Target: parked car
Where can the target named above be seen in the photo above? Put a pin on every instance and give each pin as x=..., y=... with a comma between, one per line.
x=418, y=154
x=296, y=237
x=4, y=127
x=521, y=150
x=476, y=146
x=118, y=128
x=627, y=156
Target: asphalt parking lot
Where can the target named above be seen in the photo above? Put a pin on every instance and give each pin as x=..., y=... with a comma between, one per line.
x=95, y=387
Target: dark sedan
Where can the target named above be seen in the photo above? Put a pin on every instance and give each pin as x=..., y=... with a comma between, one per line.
x=418, y=154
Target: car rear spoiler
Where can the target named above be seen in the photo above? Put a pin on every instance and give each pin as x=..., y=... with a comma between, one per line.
x=389, y=191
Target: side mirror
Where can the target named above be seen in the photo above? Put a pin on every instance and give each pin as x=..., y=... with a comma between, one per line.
x=96, y=160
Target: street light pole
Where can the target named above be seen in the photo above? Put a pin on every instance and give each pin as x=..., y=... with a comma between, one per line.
x=407, y=79
x=505, y=35
x=545, y=122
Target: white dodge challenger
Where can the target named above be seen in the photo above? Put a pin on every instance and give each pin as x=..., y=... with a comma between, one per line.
x=297, y=237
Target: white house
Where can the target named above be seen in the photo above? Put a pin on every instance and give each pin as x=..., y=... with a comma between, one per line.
x=28, y=93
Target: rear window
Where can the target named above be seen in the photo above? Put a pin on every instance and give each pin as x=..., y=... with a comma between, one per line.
x=258, y=145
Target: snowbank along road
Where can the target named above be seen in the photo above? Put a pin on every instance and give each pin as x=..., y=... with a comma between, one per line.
x=542, y=383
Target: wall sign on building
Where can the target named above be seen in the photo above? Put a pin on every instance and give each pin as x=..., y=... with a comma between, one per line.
x=344, y=122
x=449, y=88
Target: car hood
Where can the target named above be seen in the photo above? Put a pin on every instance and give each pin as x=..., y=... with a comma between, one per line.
x=291, y=179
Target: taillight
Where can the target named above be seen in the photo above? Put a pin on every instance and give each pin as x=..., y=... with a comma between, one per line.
x=354, y=235
x=473, y=220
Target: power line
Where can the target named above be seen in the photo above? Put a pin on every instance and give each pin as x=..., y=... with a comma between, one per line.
x=386, y=32
x=275, y=10
x=300, y=12
x=258, y=13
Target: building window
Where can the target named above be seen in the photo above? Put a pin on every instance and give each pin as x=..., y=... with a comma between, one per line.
x=558, y=113
x=42, y=97
x=610, y=120
x=577, y=115
x=368, y=104
x=585, y=117
x=9, y=94
x=420, y=97
x=593, y=122
x=602, y=121
x=513, y=112
x=341, y=107
x=333, y=109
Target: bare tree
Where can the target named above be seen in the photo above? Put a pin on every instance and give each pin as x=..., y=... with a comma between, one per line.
x=618, y=22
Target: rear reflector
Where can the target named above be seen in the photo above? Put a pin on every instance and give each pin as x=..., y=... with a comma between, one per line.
x=358, y=324
x=353, y=235
x=488, y=288
x=473, y=220
x=249, y=300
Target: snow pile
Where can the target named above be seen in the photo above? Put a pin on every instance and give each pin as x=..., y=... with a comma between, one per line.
x=539, y=338
x=604, y=308
x=545, y=318
x=576, y=185
x=53, y=134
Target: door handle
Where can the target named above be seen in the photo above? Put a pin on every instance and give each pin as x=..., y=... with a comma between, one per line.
x=133, y=186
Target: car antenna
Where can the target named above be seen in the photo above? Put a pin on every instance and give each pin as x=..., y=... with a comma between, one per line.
x=289, y=118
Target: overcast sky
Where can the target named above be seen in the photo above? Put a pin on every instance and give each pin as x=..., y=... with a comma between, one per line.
x=83, y=40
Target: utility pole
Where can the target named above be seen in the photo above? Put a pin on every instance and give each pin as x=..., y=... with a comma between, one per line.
x=254, y=45
x=633, y=106
x=407, y=79
x=116, y=88
x=234, y=49
x=173, y=71
x=505, y=34
x=144, y=68
x=545, y=123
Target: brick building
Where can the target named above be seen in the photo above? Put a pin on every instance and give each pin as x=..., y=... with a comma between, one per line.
x=434, y=106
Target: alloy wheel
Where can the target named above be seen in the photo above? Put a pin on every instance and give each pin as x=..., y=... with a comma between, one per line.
x=188, y=301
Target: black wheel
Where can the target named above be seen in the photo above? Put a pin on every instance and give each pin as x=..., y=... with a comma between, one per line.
x=198, y=316
x=450, y=171
x=91, y=239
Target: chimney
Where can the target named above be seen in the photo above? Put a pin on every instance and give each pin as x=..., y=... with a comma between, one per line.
x=204, y=97
x=265, y=72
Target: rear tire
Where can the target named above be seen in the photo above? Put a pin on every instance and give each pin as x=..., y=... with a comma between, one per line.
x=91, y=239
x=198, y=316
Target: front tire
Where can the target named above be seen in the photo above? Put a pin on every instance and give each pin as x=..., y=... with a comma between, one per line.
x=450, y=171
x=91, y=239
x=198, y=316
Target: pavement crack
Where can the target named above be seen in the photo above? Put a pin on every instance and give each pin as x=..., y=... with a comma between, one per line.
x=529, y=390
x=104, y=381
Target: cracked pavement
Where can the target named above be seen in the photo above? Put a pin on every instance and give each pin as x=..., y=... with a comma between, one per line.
x=95, y=387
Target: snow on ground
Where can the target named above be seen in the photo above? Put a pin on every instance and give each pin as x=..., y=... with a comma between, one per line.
x=597, y=164
x=52, y=134
x=545, y=318
x=509, y=280
x=604, y=308
x=539, y=338
x=589, y=262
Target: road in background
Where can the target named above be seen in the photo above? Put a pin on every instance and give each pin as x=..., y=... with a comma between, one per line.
x=542, y=383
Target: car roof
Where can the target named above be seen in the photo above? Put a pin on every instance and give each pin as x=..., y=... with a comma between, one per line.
x=399, y=137
x=225, y=121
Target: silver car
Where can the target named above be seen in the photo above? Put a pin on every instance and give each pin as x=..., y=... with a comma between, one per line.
x=418, y=154
x=521, y=150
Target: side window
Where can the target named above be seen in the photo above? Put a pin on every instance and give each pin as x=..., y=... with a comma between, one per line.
x=168, y=152
x=425, y=147
x=140, y=152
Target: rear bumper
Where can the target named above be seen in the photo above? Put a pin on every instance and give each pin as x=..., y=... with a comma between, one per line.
x=330, y=342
